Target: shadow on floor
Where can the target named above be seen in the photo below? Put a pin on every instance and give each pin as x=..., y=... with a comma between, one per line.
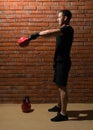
x=81, y=115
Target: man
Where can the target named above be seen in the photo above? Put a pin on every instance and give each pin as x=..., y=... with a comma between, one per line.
x=62, y=61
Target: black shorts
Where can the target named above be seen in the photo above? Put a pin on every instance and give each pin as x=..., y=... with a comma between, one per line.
x=61, y=72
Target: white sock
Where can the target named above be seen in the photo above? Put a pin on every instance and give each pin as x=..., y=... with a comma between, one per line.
x=58, y=106
x=62, y=114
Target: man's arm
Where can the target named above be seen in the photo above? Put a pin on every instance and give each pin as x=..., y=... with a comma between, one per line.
x=24, y=41
x=49, y=32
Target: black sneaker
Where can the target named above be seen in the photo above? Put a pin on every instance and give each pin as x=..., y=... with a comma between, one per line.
x=60, y=117
x=54, y=109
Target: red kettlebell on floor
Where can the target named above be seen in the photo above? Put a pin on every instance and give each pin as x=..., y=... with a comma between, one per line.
x=26, y=105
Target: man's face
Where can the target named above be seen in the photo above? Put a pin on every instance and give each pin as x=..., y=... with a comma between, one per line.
x=60, y=19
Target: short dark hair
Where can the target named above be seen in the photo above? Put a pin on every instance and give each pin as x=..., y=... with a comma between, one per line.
x=67, y=13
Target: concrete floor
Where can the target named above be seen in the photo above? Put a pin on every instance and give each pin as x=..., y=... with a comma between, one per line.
x=12, y=118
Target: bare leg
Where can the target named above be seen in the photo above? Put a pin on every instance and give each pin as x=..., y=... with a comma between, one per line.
x=59, y=98
x=64, y=99
x=62, y=116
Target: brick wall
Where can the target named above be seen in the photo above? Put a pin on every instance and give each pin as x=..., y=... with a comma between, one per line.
x=28, y=71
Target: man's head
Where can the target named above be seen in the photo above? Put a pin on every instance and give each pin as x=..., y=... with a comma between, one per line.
x=64, y=17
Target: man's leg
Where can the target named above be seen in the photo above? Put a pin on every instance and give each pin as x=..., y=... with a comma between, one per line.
x=63, y=99
x=62, y=115
x=56, y=108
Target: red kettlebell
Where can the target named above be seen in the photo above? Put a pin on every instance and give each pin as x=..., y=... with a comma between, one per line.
x=26, y=105
x=23, y=41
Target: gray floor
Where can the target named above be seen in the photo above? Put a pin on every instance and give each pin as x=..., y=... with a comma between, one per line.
x=12, y=118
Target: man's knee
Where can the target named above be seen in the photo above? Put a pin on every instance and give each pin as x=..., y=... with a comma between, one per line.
x=60, y=88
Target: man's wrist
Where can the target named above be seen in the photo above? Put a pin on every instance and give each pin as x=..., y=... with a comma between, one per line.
x=34, y=36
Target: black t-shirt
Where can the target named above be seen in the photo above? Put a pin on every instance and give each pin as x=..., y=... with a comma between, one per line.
x=63, y=43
